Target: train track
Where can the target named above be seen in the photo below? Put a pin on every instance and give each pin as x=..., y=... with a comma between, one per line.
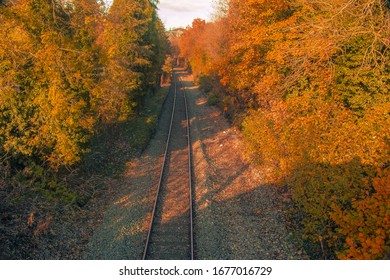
x=170, y=234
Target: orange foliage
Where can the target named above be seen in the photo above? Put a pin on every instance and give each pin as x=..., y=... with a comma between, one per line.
x=366, y=225
x=311, y=77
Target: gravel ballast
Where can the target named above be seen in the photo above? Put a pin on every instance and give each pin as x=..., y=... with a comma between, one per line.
x=238, y=215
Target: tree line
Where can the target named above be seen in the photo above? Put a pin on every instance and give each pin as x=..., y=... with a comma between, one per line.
x=308, y=82
x=68, y=68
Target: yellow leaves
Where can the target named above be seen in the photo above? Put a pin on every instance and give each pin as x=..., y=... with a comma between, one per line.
x=61, y=73
x=111, y=102
x=89, y=19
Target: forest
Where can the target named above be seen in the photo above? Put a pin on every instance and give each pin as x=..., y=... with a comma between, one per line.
x=67, y=67
x=308, y=83
x=70, y=71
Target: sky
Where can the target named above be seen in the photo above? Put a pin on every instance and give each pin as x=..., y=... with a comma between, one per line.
x=181, y=13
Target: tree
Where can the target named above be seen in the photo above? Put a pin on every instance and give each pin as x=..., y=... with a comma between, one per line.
x=44, y=116
x=311, y=80
x=133, y=43
x=66, y=66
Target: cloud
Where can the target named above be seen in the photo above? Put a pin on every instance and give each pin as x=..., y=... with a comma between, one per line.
x=175, y=13
x=184, y=5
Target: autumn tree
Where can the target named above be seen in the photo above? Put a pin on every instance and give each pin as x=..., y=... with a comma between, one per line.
x=44, y=115
x=325, y=113
x=134, y=51
x=311, y=77
x=65, y=67
x=191, y=46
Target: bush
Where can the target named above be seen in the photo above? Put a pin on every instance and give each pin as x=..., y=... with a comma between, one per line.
x=365, y=225
x=206, y=83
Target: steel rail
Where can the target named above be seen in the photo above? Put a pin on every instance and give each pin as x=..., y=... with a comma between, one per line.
x=176, y=78
x=161, y=174
x=189, y=169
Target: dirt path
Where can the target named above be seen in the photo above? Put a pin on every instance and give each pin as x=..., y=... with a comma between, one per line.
x=237, y=215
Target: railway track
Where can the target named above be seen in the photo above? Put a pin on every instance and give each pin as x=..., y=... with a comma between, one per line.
x=170, y=234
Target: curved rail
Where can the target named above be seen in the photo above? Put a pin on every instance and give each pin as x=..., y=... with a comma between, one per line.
x=163, y=169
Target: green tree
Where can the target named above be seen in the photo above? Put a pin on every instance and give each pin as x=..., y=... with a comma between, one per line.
x=132, y=43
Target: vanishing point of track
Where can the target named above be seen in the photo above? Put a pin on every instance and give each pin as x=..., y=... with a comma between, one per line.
x=170, y=234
